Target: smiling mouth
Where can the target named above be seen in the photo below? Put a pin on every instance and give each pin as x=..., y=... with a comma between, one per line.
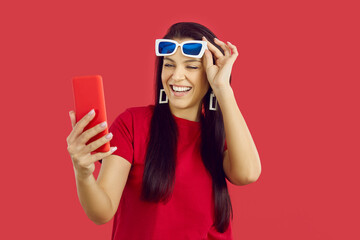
x=180, y=89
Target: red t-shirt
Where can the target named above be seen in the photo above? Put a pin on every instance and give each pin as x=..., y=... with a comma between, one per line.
x=190, y=211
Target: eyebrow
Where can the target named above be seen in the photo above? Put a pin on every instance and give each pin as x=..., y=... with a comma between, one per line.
x=190, y=60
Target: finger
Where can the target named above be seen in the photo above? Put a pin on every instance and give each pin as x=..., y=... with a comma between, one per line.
x=208, y=60
x=90, y=133
x=234, y=50
x=213, y=49
x=80, y=125
x=98, y=143
x=226, y=49
x=70, y=138
x=101, y=155
x=72, y=118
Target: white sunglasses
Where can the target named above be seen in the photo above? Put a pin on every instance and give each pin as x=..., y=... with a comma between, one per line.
x=192, y=48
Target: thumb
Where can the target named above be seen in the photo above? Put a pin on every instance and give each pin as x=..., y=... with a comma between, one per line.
x=72, y=118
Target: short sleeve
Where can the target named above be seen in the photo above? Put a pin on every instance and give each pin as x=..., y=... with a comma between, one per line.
x=123, y=136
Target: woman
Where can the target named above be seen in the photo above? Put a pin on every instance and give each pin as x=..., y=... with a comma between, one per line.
x=165, y=178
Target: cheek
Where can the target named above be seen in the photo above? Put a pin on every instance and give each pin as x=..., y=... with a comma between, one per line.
x=203, y=80
x=204, y=86
x=164, y=78
x=165, y=75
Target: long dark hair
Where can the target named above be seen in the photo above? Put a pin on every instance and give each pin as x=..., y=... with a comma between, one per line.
x=159, y=170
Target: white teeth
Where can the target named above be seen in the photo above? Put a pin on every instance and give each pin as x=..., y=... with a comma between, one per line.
x=181, y=89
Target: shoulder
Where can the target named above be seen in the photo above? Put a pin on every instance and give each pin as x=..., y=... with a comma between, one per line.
x=135, y=114
x=141, y=110
x=140, y=113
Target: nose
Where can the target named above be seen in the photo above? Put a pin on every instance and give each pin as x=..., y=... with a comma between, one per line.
x=178, y=73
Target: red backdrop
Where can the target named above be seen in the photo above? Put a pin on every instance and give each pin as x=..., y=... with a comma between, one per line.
x=296, y=82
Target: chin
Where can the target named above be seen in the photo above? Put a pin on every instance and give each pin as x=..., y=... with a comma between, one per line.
x=178, y=105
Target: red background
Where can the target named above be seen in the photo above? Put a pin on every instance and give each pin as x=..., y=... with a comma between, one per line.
x=296, y=82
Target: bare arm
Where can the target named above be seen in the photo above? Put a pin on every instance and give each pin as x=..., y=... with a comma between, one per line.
x=94, y=200
x=241, y=162
x=100, y=198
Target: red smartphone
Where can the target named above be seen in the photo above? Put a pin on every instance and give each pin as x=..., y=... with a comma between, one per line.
x=89, y=94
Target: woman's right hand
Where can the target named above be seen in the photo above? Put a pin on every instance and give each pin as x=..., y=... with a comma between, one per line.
x=80, y=153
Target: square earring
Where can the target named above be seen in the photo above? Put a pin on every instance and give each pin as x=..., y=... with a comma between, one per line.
x=160, y=98
x=211, y=107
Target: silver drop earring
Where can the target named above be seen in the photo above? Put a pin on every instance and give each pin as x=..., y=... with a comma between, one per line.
x=212, y=96
x=160, y=98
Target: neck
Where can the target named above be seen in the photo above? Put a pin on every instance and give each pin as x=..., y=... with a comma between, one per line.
x=191, y=114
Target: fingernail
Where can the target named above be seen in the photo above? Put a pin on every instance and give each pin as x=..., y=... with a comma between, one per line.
x=230, y=43
x=91, y=112
x=113, y=149
x=103, y=124
x=108, y=136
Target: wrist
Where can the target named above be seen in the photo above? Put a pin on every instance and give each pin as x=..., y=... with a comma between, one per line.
x=81, y=177
x=223, y=92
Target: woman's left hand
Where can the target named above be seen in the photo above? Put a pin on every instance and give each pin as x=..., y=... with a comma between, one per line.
x=218, y=75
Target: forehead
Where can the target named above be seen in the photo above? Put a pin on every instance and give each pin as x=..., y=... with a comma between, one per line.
x=180, y=40
x=179, y=56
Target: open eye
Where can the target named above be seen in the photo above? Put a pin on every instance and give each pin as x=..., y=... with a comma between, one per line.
x=193, y=67
x=168, y=65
